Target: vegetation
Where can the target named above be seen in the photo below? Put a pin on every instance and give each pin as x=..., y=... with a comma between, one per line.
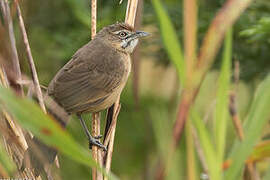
x=204, y=89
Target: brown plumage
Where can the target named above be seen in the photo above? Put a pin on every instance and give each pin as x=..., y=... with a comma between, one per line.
x=97, y=73
x=90, y=82
x=92, y=79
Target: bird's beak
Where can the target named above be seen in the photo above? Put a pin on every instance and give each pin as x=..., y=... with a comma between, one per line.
x=136, y=35
x=139, y=34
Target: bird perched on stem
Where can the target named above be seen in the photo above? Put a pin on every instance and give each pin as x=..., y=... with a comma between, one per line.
x=97, y=73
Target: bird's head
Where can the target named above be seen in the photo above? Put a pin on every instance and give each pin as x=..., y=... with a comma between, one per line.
x=121, y=36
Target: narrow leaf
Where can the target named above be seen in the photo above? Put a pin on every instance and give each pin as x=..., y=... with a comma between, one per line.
x=207, y=146
x=6, y=161
x=222, y=113
x=256, y=120
x=169, y=38
x=30, y=116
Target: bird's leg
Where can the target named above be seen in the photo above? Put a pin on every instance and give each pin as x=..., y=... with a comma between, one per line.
x=93, y=141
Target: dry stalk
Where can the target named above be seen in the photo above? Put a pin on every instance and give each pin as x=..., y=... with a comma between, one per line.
x=227, y=15
x=110, y=140
x=18, y=146
x=235, y=117
x=199, y=150
x=14, y=141
x=130, y=20
x=224, y=19
x=16, y=130
x=250, y=170
x=96, y=152
x=190, y=38
x=3, y=77
x=13, y=137
x=93, y=18
x=30, y=58
x=131, y=12
x=232, y=105
x=136, y=57
x=15, y=59
x=33, y=70
x=211, y=43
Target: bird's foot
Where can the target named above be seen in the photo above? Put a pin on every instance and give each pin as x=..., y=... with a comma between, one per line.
x=94, y=141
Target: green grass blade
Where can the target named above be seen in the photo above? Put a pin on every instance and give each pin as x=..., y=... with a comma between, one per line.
x=169, y=37
x=257, y=118
x=30, y=116
x=222, y=113
x=207, y=146
x=6, y=161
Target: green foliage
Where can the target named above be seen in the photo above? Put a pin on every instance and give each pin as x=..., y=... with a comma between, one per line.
x=215, y=152
x=257, y=118
x=57, y=29
x=260, y=31
x=207, y=146
x=170, y=41
x=222, y=113
x=214, y=155
x=31, y=117
x=6, y=161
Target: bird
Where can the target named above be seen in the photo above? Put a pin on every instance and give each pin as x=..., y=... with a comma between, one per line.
x=95, y=76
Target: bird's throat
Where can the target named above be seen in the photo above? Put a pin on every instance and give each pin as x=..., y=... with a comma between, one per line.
x=130, y=45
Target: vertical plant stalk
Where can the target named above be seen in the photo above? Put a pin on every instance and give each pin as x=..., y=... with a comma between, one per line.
x=33, y=73
x=30, y=58
x=190, y=31
x=130, y=20
x=14, y=128
x=136, y=57
x=131, y=12
x=10, y=130
x=93, y=18
x=235, y=117
x=17, y=149
x=190, y=38
x=15, y=59
x=232, y=106
x=109, y=142
x=250, y=170
x=96, y=152
x=224, y=19
x=199, y=150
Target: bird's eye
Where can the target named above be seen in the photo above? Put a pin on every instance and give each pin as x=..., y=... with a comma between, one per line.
x=122, y=34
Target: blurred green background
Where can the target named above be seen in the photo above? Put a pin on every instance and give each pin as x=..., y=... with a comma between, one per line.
x=56, y=29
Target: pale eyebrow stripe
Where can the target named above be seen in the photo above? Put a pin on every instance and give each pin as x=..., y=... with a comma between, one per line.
x=116, y=32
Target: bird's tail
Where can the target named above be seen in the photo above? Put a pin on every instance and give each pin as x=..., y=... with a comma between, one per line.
x=109, y=118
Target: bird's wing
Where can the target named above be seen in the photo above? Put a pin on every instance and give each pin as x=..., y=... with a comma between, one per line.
x=87, y=79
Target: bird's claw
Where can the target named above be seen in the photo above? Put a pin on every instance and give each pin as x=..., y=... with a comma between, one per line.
x=95, y=142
